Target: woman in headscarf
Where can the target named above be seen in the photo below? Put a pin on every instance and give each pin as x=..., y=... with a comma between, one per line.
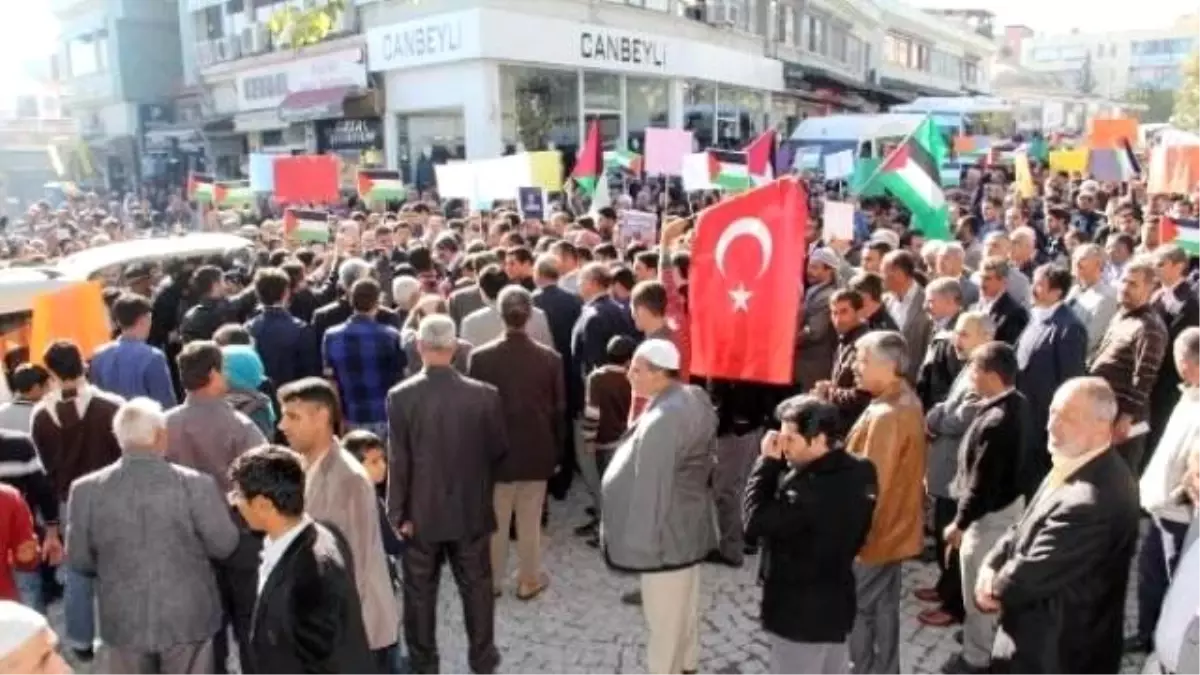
x=244, y=374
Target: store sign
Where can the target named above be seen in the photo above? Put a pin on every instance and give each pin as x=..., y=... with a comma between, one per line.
x=423, y=42
x=266, y=87
x=608, y=47
x=350, y=134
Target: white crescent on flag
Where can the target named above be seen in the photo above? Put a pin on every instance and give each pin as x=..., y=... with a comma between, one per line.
x=749, y=227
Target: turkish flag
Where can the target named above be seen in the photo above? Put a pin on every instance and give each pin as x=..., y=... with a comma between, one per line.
x=745, y=282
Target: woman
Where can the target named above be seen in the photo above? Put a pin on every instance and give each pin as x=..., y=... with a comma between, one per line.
x=427, y=306
x=244, y=374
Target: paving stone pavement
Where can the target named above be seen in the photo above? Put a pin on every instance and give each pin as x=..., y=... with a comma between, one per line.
x=579, y=625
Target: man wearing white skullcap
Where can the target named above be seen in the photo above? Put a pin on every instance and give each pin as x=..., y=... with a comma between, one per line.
x=27, y=645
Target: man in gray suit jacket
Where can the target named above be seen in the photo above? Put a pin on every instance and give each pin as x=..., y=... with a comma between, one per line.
x=905, y=302
x=148, y=530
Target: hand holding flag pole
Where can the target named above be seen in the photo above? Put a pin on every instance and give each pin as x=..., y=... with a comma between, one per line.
x=891, y=155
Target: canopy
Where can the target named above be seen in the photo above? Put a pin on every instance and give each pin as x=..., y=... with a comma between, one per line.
x=855, y=127
x=954, y=105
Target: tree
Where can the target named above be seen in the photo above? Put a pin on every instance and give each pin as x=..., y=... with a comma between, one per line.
x=1158, y=104
x=1087, y=79
x=1187, y=99
x=296, y=28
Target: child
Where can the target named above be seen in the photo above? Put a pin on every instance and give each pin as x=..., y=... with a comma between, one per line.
x=607, y=400
x=368, y=449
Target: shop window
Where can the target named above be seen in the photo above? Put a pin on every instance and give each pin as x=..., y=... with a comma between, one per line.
x=816, y=35
x=426, y=140
x=601, y=91
x=699, y=106
x=539, y=108
x=647, y=104
x=88, y=54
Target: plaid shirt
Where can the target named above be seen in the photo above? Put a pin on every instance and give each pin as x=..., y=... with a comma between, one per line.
x=365, y=359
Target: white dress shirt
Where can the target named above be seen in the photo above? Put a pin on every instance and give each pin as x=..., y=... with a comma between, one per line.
x=1179, y=608
x=1169, y=460
x=899, y=307
x=273, y=550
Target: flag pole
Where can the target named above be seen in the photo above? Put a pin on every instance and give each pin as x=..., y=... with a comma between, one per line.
x=879, y=169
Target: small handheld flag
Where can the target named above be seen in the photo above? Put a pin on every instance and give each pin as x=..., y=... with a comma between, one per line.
x=380, y=185
x=201, y=187
x=307, y=225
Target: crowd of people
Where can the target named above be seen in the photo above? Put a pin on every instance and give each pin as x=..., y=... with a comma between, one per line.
x=268, y=466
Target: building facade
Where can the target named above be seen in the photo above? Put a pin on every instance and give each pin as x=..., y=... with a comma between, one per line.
x=1115, y=64
x=115, y=58
x=460, y=81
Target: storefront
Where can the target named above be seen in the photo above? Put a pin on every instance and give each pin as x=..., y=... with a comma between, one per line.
x=462, y=85
x=280, y=106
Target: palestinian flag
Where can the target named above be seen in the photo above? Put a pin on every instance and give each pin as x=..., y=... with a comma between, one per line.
x=760, y=157
x=380, y=185
x=625, y=160
x=728, y=170
x=590, y=162
x=306, y=225
x=913, y=174
x=201, y=187
x=1182, y=232
x=1128, y=161
x=233, y=193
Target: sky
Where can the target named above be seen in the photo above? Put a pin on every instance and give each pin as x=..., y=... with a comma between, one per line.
x=33, y=37
x=1051, y=16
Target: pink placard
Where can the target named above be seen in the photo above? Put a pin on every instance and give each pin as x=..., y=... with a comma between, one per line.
x=665, y=150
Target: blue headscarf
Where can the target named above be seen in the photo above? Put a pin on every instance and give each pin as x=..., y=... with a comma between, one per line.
x=243, y=368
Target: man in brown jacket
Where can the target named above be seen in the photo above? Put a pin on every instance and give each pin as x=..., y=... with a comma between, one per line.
x=891, y=433
x=533, y=400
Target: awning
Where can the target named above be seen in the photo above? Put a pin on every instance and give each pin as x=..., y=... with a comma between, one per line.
x=314, y=104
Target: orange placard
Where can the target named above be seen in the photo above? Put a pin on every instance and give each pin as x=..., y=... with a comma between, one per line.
x=1174, y=169
x=1108, y=132
x=964, y=144
x=76, y=313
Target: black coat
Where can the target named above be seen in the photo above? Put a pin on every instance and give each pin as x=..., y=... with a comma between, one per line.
x=1009, y=317
x=600, y=320
x=1166, y=388
x=811, y=522
x=940, y=367
x=562, y=310
x=308, y=618
x=1049, y=353
x=1061, y=574
x=338, y=312
x=991, y=457
x=204, y=318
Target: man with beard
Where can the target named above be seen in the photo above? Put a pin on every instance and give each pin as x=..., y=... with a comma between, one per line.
x=815, y=340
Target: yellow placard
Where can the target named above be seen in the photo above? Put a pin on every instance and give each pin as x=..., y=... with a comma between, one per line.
x=1069, y=160
x=545, y=167
x=1024, y=175
x=76, y=313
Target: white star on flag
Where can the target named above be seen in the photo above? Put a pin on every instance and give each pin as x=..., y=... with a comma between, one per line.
x=741, y=298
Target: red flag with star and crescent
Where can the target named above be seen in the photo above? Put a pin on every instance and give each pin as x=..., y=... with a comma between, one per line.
x=744, y=285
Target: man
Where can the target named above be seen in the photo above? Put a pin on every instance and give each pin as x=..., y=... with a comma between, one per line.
x=1092, y=299
x=940, y=363
x=869, y=287
x=363, y=357
x=599, y=321
x=211, y=310
x=1119, y=248
x=905, y=301
x=1024, y=254
x=1058, y=578
x=29, y=384
x=996, y=299
x=951, y=264
x=284, y=343
x=484, y=324
x=812, y=504
x=1162, y=542
x=947, y=420
x=987, y=487
x=562, y=309
x=997, y=245
x=72, y=429
x=307, y=617
x=28, y=645
x=1179, y=308
x=338, y=492
x=1177, y=634
x=205, y=433
x=518, y=266
x=872, y=255
x=440, y=493
x=1130, y=357
x=891, y=433
x=845, y=311
x=129, y=367
x=340, y=310
x=568, y=261
x=146, y=530
x=529, y=378
x=815, y=338
x=1050, y=351
x=657, y=483
x=467, y=298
